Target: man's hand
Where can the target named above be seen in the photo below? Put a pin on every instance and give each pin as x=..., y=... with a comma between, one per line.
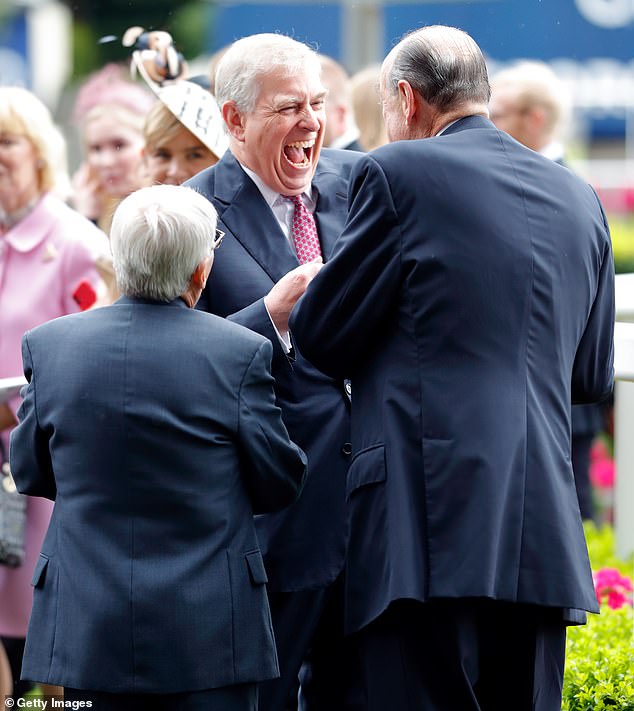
x=284, y=295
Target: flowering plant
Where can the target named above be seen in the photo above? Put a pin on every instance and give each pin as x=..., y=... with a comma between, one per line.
x=613, y=588
x=601, y=465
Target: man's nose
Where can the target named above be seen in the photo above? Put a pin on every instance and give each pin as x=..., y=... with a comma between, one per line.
x=310, y=119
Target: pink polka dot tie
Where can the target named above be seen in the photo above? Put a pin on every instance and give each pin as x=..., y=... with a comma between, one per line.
x=304, y=231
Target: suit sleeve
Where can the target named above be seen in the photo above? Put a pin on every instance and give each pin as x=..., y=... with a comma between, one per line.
x=274, y=466
x=342, y=312
x=593, y=369
x=256, y=318
x=30, y=458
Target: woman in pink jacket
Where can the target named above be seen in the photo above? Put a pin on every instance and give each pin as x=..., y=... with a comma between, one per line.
x=47, y=269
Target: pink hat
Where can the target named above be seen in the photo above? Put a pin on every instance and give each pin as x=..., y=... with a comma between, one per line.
x=110, y=86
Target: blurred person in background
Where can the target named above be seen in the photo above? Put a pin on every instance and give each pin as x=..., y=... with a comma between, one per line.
x=172, y=153
x=531, y=104
x=214, y=61
x=109, y=111
x=183, y=132
x=366, y=105
x=341, y=129
x=48, y=253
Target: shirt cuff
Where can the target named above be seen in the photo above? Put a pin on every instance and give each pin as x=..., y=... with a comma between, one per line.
x=284, y=337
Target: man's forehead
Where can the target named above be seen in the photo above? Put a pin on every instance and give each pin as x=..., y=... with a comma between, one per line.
x=280, y=85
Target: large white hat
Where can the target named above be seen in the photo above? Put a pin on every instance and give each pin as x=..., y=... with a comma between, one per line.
x=163, y=69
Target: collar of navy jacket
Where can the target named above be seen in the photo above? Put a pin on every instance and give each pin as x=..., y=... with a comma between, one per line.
x=468, y=122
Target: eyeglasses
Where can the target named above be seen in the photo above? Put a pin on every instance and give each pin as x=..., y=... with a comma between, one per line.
x=219, y=237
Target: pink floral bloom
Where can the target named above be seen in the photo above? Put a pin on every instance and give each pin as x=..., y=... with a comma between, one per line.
x=601, y=466
x=613, y=588
x=616, y=600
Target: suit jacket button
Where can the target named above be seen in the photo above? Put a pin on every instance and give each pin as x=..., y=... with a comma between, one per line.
x=346, y=449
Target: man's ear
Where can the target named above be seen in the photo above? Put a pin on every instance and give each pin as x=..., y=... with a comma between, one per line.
x=201, y=273
x=234, y=119
x=408, y=101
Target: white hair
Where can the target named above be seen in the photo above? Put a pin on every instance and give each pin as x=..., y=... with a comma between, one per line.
x=159, y=235
x=250, y=58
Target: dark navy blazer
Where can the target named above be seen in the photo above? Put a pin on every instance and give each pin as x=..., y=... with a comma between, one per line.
x=154, y=427
x=303, y=545
x=470, y=299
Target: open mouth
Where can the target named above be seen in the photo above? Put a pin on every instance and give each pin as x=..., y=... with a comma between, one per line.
x=298, y=154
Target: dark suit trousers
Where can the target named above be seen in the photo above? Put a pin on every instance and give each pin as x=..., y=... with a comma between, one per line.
x=459, y=655
x=308, y=627
x=241, y=697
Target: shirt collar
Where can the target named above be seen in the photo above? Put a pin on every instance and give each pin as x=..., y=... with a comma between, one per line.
x=444, y=128
x=554, y=151
x=269, y=195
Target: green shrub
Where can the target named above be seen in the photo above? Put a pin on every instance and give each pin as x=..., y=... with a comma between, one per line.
x=599, y=672
x=600, y=540
x=600, y=663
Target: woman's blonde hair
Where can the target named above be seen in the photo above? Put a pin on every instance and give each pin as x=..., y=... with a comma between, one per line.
x=161, y=126
x=23, y=114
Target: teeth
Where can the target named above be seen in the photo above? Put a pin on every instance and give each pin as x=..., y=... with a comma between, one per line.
x=302, y=144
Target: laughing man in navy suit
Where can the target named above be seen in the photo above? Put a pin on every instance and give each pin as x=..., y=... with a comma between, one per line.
x=470, y=299
x=272, y=101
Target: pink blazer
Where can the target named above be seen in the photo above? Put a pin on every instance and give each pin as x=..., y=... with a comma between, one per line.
x=43, y=259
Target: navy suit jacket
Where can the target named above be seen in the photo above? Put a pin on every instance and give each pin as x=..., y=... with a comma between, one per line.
x=304, y=544
x=155, y=430
x=470, y=299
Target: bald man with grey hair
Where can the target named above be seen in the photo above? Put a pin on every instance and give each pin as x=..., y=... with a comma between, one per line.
x=470, y=299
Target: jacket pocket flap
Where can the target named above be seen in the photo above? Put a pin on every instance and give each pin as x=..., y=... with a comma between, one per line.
x=256, y=568
x=40, y=570
x=368, y=467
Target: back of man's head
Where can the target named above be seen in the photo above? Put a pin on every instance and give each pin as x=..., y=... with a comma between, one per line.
x=250, y=58
x=159, y=235
x=529, y=102
x=443, y=64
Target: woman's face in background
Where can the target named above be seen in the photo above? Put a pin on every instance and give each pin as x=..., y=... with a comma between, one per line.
x=113, y=153
x=174, y=161
x=18, y=171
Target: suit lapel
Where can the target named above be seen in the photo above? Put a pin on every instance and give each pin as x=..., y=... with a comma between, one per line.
x=332, y=207
x=240, y=206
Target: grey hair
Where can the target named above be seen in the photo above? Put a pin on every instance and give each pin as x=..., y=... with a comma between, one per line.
x=251, y=58
x=443, y=64
x=159, y=235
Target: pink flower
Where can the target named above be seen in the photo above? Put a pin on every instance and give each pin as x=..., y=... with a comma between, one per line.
x=613, y=588
x=616, y=600
x=601, y=466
